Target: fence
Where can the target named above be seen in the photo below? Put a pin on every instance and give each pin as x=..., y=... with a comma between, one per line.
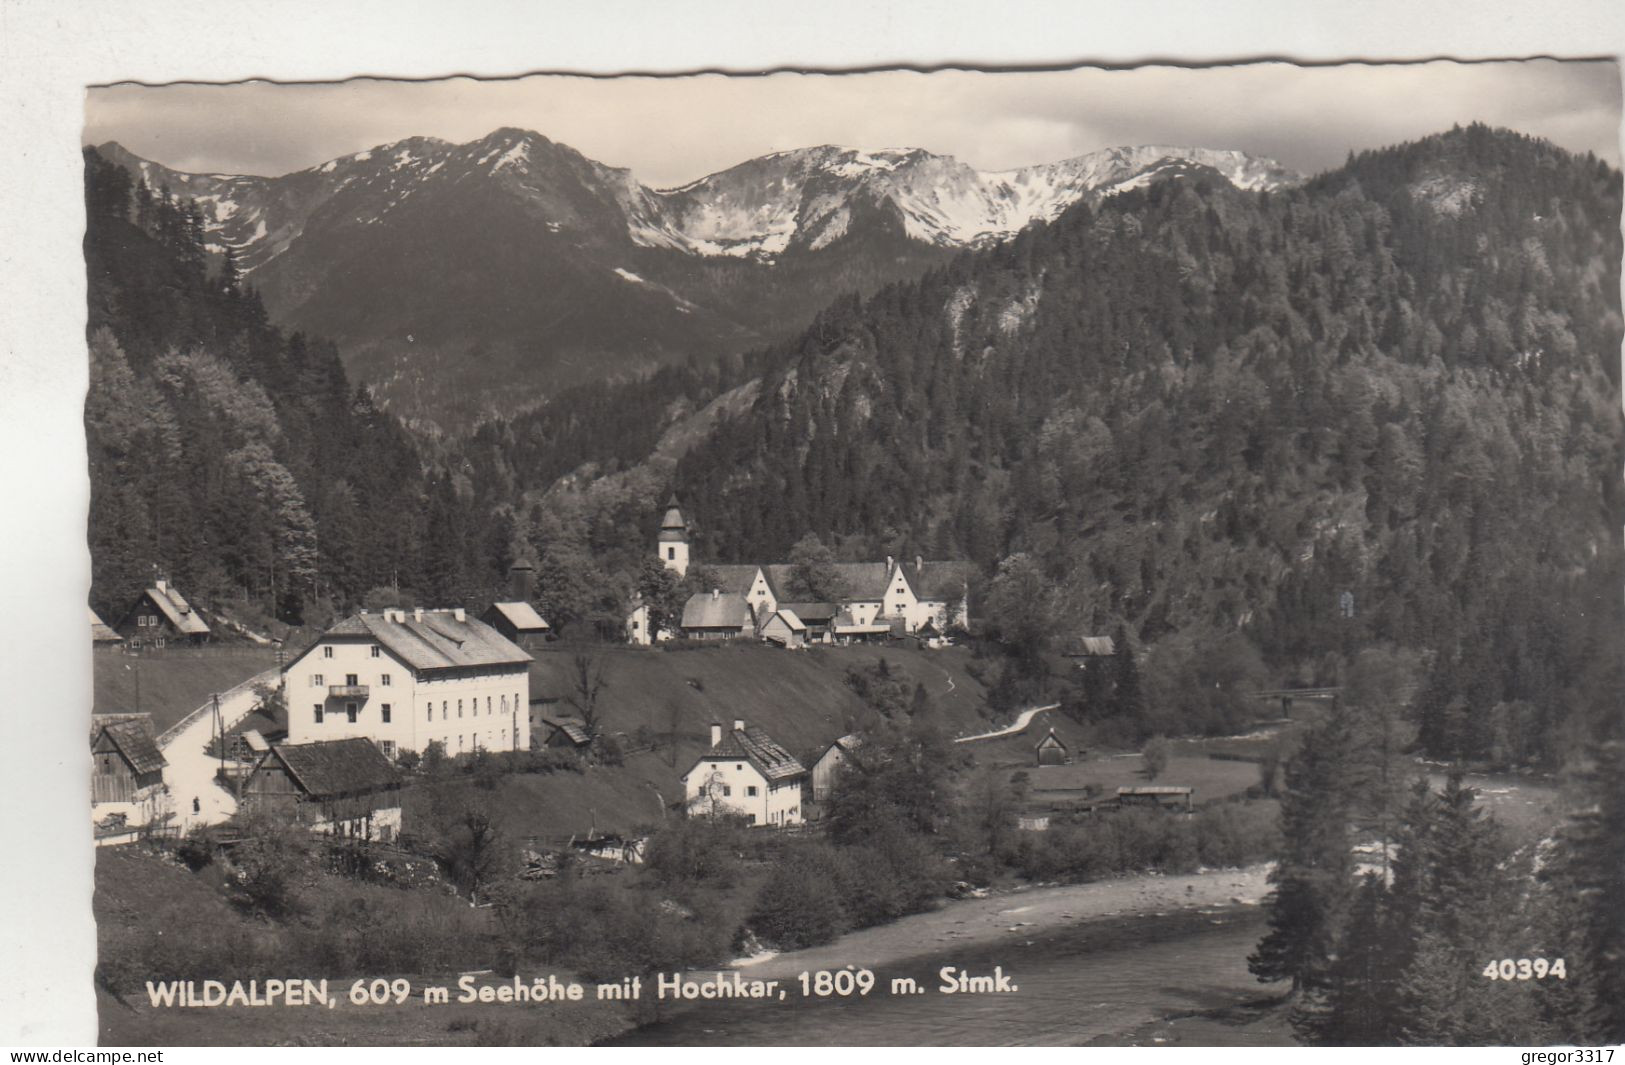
x=246, y=687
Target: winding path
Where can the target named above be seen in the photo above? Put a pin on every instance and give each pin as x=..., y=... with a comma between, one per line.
x=1024, y=719
x=190, y=772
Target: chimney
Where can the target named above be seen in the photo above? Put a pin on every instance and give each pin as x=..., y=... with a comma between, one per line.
x=162, y=584
x=522, y=581
x=888, y=564
x=739, y=726
x=417, y=614
x=716, y=593
x=460, y=614
x=919, y=563
x=716, y=733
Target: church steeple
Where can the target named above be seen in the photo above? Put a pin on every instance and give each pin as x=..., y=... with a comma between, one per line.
x=672, y=544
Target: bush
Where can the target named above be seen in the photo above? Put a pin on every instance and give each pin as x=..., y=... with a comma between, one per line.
x=196, y=849
x=1237, y=833
x=799, y=906
x=692, y=851
x=1155, y=753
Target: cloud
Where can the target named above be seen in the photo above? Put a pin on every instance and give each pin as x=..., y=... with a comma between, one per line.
x=672, y=130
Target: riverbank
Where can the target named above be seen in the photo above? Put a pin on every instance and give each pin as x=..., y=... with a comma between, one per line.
x=1020, y=915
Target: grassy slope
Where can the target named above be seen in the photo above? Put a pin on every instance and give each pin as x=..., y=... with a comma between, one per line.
x=173, y=683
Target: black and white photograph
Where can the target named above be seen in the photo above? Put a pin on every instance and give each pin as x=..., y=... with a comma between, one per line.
x=1108, y=555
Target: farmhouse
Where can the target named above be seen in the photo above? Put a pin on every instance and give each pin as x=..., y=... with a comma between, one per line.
x=865, y=599
x=747, y=773
x=160, y=617
x=344, y=787
x=127, y=786
x=832, y=763
x=404, y=679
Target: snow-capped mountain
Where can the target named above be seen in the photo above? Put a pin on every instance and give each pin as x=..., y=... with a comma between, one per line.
x=513, y=264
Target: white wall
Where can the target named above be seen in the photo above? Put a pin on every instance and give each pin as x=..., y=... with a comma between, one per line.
x=771, y=805
x=494, y=705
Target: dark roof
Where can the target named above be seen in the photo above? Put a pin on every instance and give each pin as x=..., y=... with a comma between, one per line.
x=761, y=750
x=1091, y=646
x=134, y=742
x=814, y=613
x=336, y=767
x=672, y=526
x=522, y=616
x=439, y=641
x=1052, y=740
x=707, y=611
x=177, y=610
x=735, y=579
x=100, y=632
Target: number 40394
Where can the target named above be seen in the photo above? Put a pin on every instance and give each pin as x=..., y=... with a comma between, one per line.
x=1525, y=969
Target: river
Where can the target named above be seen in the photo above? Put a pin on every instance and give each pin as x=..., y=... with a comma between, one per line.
x=1100, y=981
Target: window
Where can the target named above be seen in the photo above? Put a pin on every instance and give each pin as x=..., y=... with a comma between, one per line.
x=157, y=641
x=349, y=712
x=375, y=651
x=459, y=741
x=316, y=680
x=352, y=679
x=383, y=680
x=751, y=791
x=752, y=818
x=727, y=791
x=327, y=652
x=459, y=708
x=487, y=706
x=442, y=709
x=385, y=709
x=388, y=747
x=318, y=713
x=634, y=626
x=671, y=553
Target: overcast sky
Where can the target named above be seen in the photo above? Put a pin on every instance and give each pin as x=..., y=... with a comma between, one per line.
x=672, y=130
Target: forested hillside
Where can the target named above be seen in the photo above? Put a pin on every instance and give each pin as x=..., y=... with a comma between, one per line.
x=234, y=458
x=1197, y=412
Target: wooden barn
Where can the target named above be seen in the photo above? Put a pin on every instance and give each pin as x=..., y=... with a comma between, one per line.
x=102, y=634
x=127, y=761
x=827, y=769
x=345, y=787
x=785, y=629
x=1051, y=751
x=566, y=734
x=160, y=617
x=518, y=622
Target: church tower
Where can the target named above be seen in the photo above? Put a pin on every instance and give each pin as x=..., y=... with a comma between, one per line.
x=673, y=541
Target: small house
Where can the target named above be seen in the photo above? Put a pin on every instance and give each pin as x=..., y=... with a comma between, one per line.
x=1086, y=649
x=343, y=787
x=746, y=773
x=784, y=629
x=717, y=615
x=1051, y=751
x=832, y=763
x=566, y=734
x=518, y=622
x=127, y=786
x=818, y=617
x=160, y=617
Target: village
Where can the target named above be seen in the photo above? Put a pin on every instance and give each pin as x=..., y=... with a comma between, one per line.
x=333, y=735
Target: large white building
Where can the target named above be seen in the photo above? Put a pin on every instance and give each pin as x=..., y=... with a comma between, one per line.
x=404, y=679
x=746, y=773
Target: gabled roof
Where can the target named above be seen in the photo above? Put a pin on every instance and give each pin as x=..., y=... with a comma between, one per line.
x=100, y=632
x=439, y=641
x=753, y=745
x=1091, y=646
x=845, y=623
x=521, y=616
x=736, y=579
x=726, y=611
x=177, y=610
x=848, y=745
x=939, y=580
x=1052, y=740
x=134, y=742
x=330, y=768
x=789, y=618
